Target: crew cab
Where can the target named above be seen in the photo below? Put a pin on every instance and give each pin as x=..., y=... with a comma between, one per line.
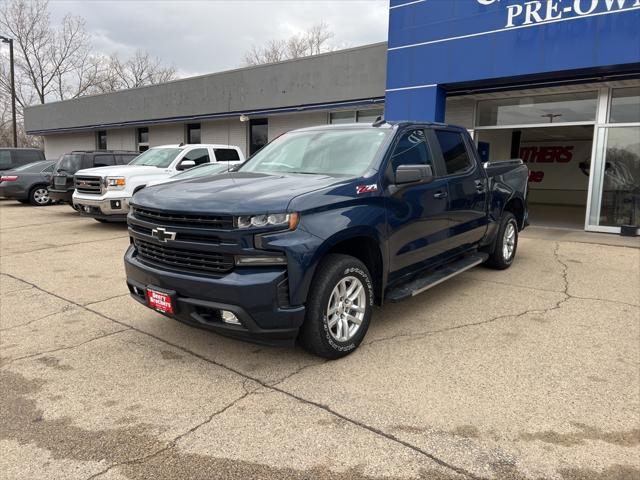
x=318, y=226
x=104, y=193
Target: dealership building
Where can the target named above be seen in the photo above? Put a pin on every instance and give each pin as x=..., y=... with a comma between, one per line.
x=554, y=82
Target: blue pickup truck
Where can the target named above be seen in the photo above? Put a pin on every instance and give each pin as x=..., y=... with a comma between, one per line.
x=302, y=240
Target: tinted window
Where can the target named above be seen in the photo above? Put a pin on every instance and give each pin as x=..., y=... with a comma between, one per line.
x=5, y=159
x=23, y=157
x=70, y=163
x=226, y=155
x=454, y=151
x=625, y=105
x=104, y=160
x=124, y=159
x=101, y=140
x=411, y=150
x=198, y=155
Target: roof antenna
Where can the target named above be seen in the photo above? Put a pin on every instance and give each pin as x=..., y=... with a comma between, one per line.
x=181, y=144
x=379, y=121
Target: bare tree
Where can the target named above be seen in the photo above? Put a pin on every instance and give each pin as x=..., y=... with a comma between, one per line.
x=311, y=42
x=57, y=62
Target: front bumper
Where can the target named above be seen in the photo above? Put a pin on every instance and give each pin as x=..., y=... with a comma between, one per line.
x=111, y=208
x=251, y=294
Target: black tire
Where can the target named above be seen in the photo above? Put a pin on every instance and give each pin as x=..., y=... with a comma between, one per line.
x=26, y=202
x=39, y=196
x=498, y=257
x=316, y=335
x=101, y=220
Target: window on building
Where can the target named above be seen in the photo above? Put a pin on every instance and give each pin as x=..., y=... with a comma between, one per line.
x=369, y=116
x=454, y=151
x=101, y=140
x=226, y=155
x=411, y=149
x=143, y=139
x=258, y=134
x=540, y=109
x=342, y=117
x=625, y=105
x=193, y=133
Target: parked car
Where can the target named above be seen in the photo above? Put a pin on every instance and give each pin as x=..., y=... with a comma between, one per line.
x=61, y=186
x=28, y=183
x=203, y=170
x=11, y=158
x=318, y=226
x=104, y=193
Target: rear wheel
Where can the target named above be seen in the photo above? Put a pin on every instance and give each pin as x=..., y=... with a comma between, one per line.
x=506, y=243
x=39, y=196
x=339, y=307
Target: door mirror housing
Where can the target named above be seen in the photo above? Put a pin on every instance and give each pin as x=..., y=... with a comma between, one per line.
x=413, y=174
x=186, y=164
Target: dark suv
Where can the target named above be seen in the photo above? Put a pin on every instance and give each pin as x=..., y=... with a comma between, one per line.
x=61, y=186
x=11, y=158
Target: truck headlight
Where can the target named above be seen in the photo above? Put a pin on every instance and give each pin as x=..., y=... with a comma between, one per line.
x=116, y=183
x=289, y=220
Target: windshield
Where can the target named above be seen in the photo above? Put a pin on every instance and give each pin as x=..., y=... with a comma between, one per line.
x=157, y=157
x=346, y=152
x=69, y=162
x=202, y=170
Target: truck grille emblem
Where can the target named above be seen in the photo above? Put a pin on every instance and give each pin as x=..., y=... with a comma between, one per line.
x=162, y=235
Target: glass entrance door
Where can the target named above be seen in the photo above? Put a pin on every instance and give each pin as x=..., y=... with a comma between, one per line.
x=615, y=173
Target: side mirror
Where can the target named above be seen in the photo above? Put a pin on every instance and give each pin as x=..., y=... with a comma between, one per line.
x=413, y=173
x=186, y=165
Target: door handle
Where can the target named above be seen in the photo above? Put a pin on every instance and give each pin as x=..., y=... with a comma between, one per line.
x=440, y=195
x=480, y=186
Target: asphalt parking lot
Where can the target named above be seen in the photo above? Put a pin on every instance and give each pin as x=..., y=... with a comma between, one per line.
x=532, y=372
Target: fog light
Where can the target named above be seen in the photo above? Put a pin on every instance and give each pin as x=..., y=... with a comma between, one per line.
x=230, y=318
x=115, y=205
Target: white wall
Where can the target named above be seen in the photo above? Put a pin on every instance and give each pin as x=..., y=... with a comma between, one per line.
x=166, y=134
x=225, y=132
x=499, y=141
x=121, y=139
x=56, y=145
x=459, y=111
x=280, y=124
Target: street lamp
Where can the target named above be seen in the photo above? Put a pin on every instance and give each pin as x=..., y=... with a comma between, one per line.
x=551, y=116
x=13, y=88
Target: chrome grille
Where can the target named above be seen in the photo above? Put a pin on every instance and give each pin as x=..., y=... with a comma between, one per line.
x=183, y=259
x=90, y=185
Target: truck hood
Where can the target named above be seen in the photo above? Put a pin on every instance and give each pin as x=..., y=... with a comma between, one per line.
x=236, y=193
x=123, y=171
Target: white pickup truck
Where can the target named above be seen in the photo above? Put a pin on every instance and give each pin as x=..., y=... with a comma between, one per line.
x=103, y=193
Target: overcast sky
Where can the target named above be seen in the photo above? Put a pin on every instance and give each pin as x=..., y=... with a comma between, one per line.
x=200, y=37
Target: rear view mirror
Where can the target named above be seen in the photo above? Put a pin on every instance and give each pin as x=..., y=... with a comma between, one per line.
x=186, y=164
x=413, y=173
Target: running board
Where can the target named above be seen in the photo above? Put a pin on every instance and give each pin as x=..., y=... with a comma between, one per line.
x=435, y=277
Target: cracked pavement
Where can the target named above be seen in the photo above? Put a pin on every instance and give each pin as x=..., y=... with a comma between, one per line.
x=529, y=373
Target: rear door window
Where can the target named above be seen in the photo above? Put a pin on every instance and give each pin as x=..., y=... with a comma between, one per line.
x=227, y=155
x=454, y=151
x=23, y=157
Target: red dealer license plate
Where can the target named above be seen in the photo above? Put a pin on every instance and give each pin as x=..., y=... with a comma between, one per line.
x=160, y=301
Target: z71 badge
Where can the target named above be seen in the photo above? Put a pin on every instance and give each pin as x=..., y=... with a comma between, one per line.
x=366, y=188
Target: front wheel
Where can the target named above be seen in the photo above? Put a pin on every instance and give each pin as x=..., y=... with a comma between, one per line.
x=506, y=243
x=39, y=196
x=339, y=307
